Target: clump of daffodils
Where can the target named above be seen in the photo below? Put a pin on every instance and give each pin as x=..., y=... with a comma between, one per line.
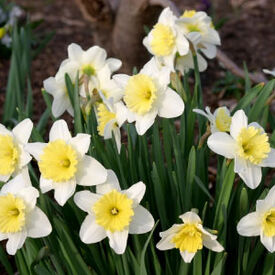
x=248, y=145
x=261, y=222
x=173, y=41
x=113, y=213
x=189, y=237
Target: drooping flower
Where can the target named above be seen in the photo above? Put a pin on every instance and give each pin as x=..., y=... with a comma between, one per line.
x=113, y=213
x=19, y=216
x=56, y=86
x=220, y=121
x=261, y=222
x=13, y=156
x=194, y=23
x=63, y=164
x=248, y=145
x=166, y=39
x=110, y=117
x=147, y=95
x=189, y=237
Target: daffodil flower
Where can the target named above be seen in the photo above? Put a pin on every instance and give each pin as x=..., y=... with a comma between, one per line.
x=113, y=213
x=91, y=61
x=63, y=164
x=105, y=84
x=220, y=121
x=13, y=156
x=193, y=23
x=261, y=222
x=248, y=145
x=56, y=86
x=166, y=39
x=110, y=118
x=270, y=72
x=189, y=237
x=147, y=95
x=19, y=216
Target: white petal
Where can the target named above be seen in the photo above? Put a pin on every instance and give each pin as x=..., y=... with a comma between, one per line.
x=187, y=257
x=60, y=130
x=121, y=80
x=114, y=64
x=38, y=224
x=110, y=183
x=268, y=242
x=262, y=206
x=118, y=240
x=16, y=184
x=45, y=185
x=166, y=238
x=63, y=191
x=81, y=143
x=190, y=217
x=4, y=178
x=15, y=242
x=182, y=44
x=143, y=123
x=60, y=105
x=210, y=51
x=171, y=105
x=251, y=174
x=3, y=236
x=75, y=52
x=29, y=194
x=4, y=130
x=90, y=231
x=23, y=130
x=211, y=244
x=270, y=160
x=222, y=144
x=85, y=200
x=90, y=172
x=35, y=149
x=25, y=158
x=238, y=122
x=136, y=192
x=51, y=86
x=250, y=225
x=96, y=56
x=142, y=221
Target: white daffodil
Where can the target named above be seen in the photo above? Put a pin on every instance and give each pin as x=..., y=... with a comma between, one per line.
x=266, y=71
x=186, y=62
x=63, y=164
x=147, y=95
x=192, y=22
x=189, y=237
x=19, y=217
x=91, y=61
x=110, y=118
x=248, y=145
x=13, y=156
x=56, y=86
x=165, y=40
x=103, y=83
x=261, y=222
x=113, y=213
x=220, y=121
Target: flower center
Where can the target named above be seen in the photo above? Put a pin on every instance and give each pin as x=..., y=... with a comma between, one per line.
x=189, y=13
x=113, y=211
x=9, y=155
x=88, y=70
x=12, y=214
x=269, y=223
x=193, y=27
x=104, y=116
x=223, y=120
x=188, y=238
x=253, y=145
x=163, y=40
x=58, y=161
x=140, y=94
